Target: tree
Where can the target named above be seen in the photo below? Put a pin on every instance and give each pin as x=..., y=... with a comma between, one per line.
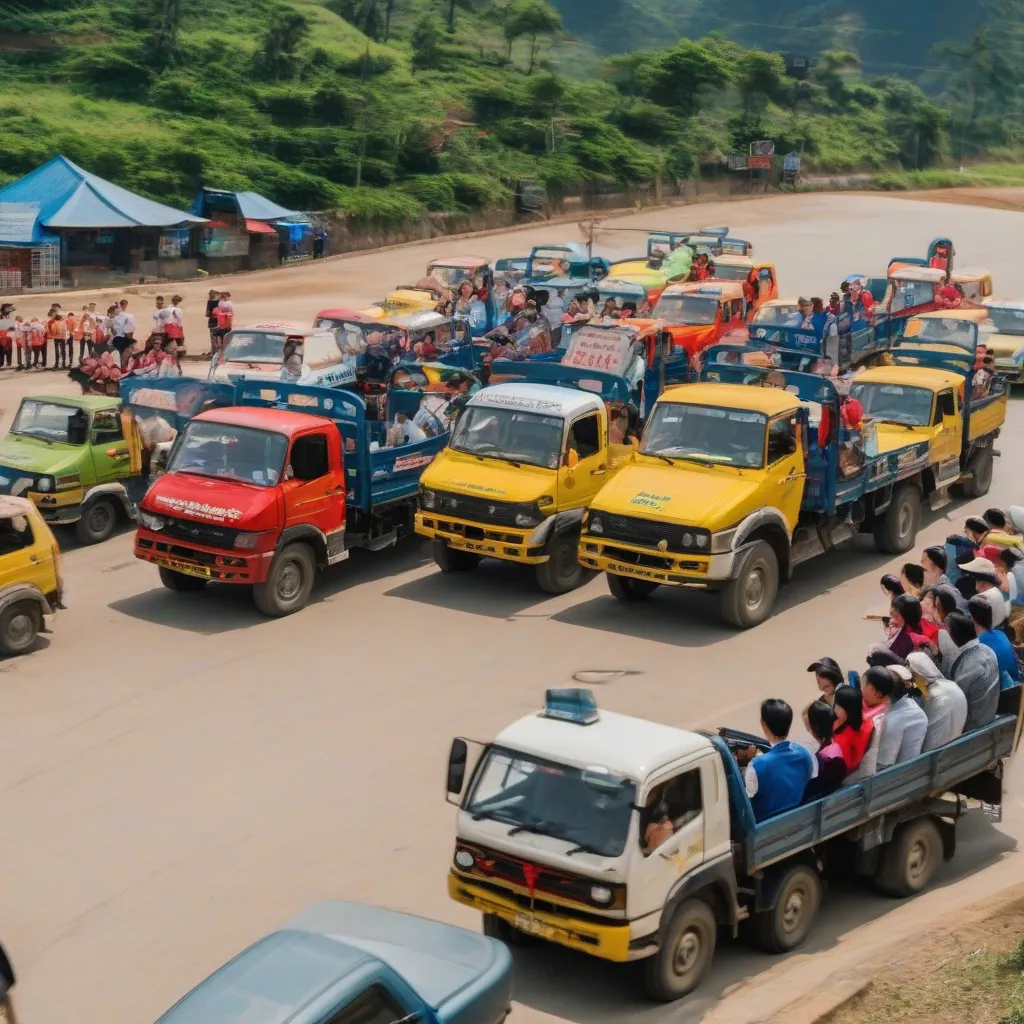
x=681, y=76
x=287, y=31
x=165, y=38
x=426, y=43
x=364, y=15
x=761, y=78
x=532, y=18
x=834, y=67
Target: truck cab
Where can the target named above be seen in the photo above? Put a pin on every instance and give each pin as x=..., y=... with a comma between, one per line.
x=257, y=352
x=524, y=460
x=348, y=963
x=1005, y=339
x=699, y=314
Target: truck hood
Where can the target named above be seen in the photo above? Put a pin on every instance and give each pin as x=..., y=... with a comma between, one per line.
x=892, y=437
x=688, y=495
x=691, y=337
x=213, y=500
x=1003, y=346
x=29, y=455
x=436, y=959
x=490, y=478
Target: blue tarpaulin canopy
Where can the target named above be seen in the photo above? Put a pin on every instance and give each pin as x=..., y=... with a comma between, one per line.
x=250, y=205
x=68, y=197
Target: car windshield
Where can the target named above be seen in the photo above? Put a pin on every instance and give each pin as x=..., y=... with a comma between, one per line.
x=895, y=403
x=776, y=314
x=1007, y=321
x=255, y=347
x=731, y=273
x=251, y=456
x=589, y=808
x=706, y=433
x=550, y=263
x=48, y=421
x=690, y=310
x=449, y=275
x=511, y=434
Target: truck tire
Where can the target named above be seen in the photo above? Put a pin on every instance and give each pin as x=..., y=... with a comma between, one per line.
x=97, y=523
x=789, y=922
x=289, y=582
x=910, y=859
x=19, y=626
x=685, y=952
x=980, y=467
x=180, y=581
x=896, y=531
x=562, y=571
x=452, y=560
x=747, y=599
x=625, y=588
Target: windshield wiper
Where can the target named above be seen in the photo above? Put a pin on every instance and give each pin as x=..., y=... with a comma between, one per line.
x=480, y=815
x=664, y=458
x=900, y=423
x=534, y=827
x=585, y=848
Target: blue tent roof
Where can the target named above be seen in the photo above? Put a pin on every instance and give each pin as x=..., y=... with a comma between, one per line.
x=251, y=205
x=69, y=197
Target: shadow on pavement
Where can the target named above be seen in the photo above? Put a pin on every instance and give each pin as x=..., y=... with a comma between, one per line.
x=67, y=540
x=580, y=988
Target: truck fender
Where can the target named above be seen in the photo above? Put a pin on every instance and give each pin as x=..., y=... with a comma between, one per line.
x=718, y=879
x=114, y=490
x=770, y=525
x=308, y=534
x=24, y=592
x=772, y=878
x=553, y=525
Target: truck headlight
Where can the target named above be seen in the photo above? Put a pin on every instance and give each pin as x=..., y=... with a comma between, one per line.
x=600, y=894
x=44, y=484
x=722, y=542
x=428, y=499
x=526, y=519
x=249, y=540
x=464, y=859
x=150, y=521
x=545, y=500
x=595, y=525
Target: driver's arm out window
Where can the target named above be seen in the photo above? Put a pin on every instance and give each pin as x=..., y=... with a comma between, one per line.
x=781, y=438
x=585, y=436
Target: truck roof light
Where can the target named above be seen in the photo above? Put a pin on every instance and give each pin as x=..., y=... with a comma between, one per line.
x=575, y=705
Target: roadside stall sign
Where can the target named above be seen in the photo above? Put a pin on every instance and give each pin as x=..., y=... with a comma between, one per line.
x=759, y=162
x=594, y=349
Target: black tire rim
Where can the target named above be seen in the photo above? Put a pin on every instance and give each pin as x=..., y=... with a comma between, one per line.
x=289, y=582
x=100, y=519
x=21, y=629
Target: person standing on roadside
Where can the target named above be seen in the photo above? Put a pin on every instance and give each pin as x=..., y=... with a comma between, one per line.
x=124, y=327
x=57, y=329
x=37, y=339
x=174, y=328
x=7, y=333
x=225, y=315
x=213, y=297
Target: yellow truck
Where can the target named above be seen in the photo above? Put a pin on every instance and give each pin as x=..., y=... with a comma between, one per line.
x=525, y=459
x=740, y=478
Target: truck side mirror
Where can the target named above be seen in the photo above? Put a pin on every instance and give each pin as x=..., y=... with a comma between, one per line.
x=457, y=759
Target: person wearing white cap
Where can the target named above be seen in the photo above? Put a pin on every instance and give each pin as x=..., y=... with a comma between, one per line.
x=987, y=582
x=945, y=704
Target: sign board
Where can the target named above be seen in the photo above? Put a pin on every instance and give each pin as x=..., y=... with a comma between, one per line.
x=18, y=222
x=791, y=162
x=758, y=162
x=766, y=147
x=737, y=162
x=592, y=348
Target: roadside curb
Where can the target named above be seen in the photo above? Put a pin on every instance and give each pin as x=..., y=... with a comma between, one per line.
x=819, y=1008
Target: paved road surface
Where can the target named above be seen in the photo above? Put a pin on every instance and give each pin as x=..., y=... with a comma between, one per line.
x=179, y=775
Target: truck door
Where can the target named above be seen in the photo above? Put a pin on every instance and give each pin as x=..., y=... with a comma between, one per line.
x=314, y=493
x=671, y=837
x=577, y=484
x=947, y=427
x=785, y=466
x=111, y=455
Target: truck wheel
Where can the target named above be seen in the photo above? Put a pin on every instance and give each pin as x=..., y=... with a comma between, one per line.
x=909, y=859
x=747, y=600
x=684, y=954
x=97, y=523
x=788, y=923
x=896, y=531
x=562, y=571
x=19, y=627
x=625, y=588
x=288, y=583
x=452, y=560
x=180, y=581
x=980, y=468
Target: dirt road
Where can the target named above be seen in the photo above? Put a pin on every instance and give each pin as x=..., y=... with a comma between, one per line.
x=180, y=775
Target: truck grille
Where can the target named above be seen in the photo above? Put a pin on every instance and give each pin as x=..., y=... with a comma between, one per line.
x=642, y=532
x=207, y=534
x=479, y=510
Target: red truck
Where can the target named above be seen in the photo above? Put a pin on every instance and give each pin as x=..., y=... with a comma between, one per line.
x=285, y=481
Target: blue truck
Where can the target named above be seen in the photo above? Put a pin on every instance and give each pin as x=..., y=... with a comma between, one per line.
x=348, y=963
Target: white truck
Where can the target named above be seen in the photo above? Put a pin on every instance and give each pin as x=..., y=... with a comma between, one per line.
x=631, y=840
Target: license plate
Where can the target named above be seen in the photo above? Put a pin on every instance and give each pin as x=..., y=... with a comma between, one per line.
x=484, y=549
x=530, y=925
x=185, y=567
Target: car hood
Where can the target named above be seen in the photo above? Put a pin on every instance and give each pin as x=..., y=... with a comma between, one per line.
x=213, y=500
x=490, y=478
x=436, y=959
x=686, y=494
x=29, y=455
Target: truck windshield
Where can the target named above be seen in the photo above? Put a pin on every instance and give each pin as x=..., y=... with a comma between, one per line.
x=49, y=421
x=510, y=434
x=255, y=347
x=895, y=403
x=690, y=310
x=944, y=331
x=244, y=454
x=1007, y=321
x=582, y=807
x=705, y=433
x=730, y=273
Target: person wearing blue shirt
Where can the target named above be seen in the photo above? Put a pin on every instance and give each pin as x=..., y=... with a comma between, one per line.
x=776, y=779
x=982, y=612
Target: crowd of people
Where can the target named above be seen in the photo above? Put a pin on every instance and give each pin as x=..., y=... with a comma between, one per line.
x=953, y=638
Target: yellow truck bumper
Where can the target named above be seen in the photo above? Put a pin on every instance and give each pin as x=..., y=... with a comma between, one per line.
x=506, y=543
x=609, y=942
x=666, y=568
x=60, y=506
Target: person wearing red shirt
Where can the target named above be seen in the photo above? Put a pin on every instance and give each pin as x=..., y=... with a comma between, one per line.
x=949, y=296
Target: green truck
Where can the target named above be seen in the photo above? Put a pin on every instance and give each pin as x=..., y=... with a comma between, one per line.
x=72, y=456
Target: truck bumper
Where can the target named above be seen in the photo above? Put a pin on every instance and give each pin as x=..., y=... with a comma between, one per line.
x=504, y=542
x=61, y=508
x=608, y=942
x=205, y=563
x=1010, y=371
x=700, y=572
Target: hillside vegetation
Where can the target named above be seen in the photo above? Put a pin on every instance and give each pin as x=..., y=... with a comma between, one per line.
x=389, y=108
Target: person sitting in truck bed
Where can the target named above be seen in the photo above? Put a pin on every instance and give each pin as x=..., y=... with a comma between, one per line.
x=997, y=532
x=989, y=634
x=852, y=732
x=903, y=724
x=945, y=705
x=904, y=629
x=776, y=779
x=829, y=677
x=819, y=720
x=973, y=667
